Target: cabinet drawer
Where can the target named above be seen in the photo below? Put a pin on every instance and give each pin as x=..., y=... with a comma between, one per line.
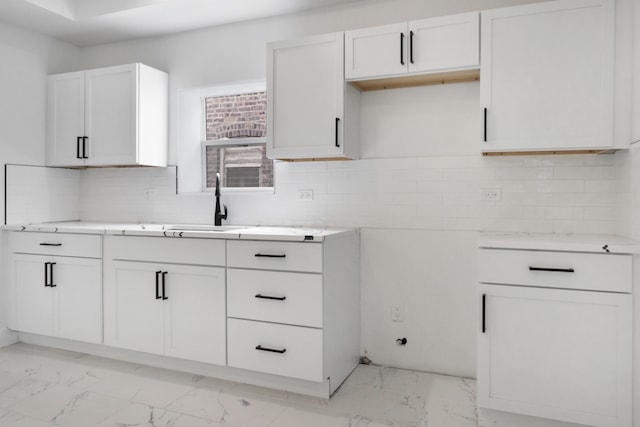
x=166, y=249
x=285, y=256
x=569, y=270
x=61, y=244
x=291, y=351
x=294, y=298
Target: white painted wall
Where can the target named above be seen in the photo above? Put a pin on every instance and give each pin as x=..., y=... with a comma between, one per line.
x=26, y=60
x=415, y=193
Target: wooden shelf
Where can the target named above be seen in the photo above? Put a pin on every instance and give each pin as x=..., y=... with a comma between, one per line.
x=418, y=80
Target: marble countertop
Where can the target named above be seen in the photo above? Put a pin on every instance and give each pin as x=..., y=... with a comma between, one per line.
x=186, y=230
x=598, y=243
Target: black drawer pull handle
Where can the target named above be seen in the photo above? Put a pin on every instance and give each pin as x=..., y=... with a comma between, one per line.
x=46, y=274
x=164, y=280
x=268, y=297
x=50, y=244
x=84, y=147
x=484, y=315
x=485, y=125
x=272, y=350
x=78, y=156
x=401, y=48
x=158, y=284
x=271, y=256
x=561, y=270
x=51, y=284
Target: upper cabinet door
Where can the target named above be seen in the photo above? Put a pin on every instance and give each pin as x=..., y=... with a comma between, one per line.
x=65, y=119
x=114, y=116
x=444, y=43
x=547, y=76
x=308, y=99
x=376, y=52
x=111, y=115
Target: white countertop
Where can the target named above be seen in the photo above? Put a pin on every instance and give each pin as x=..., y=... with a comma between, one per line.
x=173, y=230
x=598, y=243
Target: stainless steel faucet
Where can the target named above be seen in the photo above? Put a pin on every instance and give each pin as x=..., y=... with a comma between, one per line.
x=218, y=216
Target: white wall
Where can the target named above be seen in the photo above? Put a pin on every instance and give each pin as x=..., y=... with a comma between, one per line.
x=26, y=59
x=415, y=193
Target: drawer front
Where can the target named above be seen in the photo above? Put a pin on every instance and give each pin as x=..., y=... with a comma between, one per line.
x=295, y=351
x=61, y=244
x=286, y=256
x=166, y=249
x=569, y=270
x=273, y=296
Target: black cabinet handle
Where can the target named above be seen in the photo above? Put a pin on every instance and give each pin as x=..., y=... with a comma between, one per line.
x=50, y=244
x=484, y=306
x=46, y=274
x=84, y=147
x=337, y=134
x=164, y=280
x=258, y=255
x=51, y=284
x=158, y=284
x=411, y=47
x=269, y=297
x=272, y=350
x=485, y=124
x=78, y=156
x=560, y=270
x=401, y=48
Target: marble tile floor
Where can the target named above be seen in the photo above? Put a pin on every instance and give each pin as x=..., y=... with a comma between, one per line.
x=42, y=387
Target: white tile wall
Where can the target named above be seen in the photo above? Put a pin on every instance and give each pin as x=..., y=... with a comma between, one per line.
x=566, y=194
x=39, y=194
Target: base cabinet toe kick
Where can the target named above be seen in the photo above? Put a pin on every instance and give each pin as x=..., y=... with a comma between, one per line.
x=555, y=337
x=280, y=314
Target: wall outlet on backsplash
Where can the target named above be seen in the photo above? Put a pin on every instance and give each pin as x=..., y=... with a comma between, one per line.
x=490, y=194
x=306, y=195
x=149, y=194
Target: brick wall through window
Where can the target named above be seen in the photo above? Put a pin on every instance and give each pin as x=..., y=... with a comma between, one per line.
x=236, y=116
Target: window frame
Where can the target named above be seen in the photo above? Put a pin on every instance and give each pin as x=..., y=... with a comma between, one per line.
x=224, y=90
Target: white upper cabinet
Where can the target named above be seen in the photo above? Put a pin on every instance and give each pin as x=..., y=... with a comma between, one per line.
x=311, y=112
x=431, y=45
x=547, y=76
x=108, y=117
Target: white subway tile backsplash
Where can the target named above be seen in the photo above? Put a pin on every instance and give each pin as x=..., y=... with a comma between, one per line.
x=538, y=194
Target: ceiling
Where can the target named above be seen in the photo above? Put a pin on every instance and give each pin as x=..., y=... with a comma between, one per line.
x=91, y=22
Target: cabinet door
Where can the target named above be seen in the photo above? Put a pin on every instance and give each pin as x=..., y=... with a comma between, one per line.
x=547, y=76
x=445, y=43
x=376, y=52
x=111, y=115
x=33, y=301
x=78, y=299
x=306, y=95
x=134, y=309
x=195, y=321
x=556, y=354
x=65, y=119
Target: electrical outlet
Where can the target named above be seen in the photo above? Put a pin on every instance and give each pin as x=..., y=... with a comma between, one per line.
x=149, y=194
x=305, y=195
x=397, y=313
x=491, y=194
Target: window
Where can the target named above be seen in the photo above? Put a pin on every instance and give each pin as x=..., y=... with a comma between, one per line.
x=235, y=147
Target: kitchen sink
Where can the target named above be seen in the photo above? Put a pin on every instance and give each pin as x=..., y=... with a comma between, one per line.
x=215, y=228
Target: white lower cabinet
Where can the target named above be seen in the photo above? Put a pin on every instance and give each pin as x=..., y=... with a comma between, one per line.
x=53, y=295
x=559, y=353
x=164, y=308
x=287, y=350
x=293, y=308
